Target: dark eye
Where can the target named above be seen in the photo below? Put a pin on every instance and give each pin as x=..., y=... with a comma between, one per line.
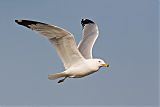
x=99, y=61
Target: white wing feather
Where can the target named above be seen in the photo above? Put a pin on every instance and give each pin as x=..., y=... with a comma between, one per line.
x=90, y=34
x=63, y=41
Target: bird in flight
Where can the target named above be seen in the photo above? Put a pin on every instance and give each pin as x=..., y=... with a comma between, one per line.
x=77, y=60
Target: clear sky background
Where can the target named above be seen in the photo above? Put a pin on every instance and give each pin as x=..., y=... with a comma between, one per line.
x=128, y=41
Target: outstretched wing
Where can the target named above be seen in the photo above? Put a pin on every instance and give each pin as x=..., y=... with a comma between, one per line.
x=63, y=41
x=90, y=34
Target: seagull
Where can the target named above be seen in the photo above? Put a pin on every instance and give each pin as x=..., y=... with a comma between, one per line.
x=78, y=61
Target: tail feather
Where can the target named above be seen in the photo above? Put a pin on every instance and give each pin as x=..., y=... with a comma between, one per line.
x=56, y=76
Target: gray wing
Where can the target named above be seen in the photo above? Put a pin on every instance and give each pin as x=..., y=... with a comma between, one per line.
x=63, y=41
x=90, y=34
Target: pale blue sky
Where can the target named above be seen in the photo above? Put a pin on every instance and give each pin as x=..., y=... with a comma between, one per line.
x=128, y=41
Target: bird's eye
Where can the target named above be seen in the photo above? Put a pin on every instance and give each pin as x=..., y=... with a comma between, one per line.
x=99, y=61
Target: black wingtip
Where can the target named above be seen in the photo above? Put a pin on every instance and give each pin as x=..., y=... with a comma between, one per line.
x=18, y=21
x=27, y=23
x=86, y=21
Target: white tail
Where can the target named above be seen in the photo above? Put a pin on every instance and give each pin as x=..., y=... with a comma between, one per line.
x=57, y=75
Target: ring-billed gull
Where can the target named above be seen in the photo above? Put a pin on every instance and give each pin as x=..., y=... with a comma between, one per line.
x=77, y=60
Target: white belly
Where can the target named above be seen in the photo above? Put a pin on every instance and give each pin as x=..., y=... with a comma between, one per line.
x=78, y=72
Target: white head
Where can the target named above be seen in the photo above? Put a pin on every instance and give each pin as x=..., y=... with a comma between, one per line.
x=97, y=63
